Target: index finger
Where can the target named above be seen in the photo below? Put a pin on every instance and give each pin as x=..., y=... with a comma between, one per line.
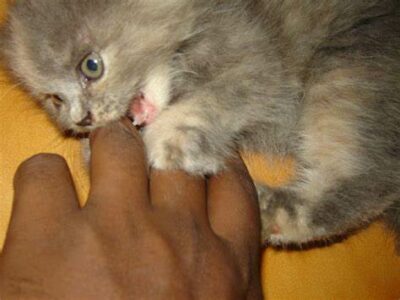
x=119, y=179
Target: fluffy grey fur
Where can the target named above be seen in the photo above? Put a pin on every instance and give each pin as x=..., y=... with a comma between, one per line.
x=318, y=80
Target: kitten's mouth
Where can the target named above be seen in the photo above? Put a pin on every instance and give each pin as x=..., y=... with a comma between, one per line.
x=142, y=110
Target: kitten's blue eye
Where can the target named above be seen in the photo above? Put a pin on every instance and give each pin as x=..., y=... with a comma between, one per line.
x=92, y=66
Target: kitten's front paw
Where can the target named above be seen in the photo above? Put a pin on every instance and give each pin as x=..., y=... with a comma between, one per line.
x=175, y=144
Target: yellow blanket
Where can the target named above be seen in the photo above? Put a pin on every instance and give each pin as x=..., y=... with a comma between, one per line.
x=362, y=267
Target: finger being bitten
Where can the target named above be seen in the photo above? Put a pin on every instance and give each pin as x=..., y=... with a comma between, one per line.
x=118, y=168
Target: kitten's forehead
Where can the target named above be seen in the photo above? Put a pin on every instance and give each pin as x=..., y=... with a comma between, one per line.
x=49, y=38
x=74, y=27
x=100, y=10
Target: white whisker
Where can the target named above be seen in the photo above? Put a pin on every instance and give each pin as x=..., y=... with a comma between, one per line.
x=9, y=90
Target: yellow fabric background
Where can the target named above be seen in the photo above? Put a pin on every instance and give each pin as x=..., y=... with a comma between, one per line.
x=362, y=267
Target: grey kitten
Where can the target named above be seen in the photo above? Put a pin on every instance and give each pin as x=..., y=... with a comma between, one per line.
x=318, y=80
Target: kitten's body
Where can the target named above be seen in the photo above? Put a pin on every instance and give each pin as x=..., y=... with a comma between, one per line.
x=318, y=80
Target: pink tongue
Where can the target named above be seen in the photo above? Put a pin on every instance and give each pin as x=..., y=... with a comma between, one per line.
x=144, y=112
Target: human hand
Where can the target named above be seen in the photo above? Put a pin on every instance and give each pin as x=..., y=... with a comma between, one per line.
x=166, y=235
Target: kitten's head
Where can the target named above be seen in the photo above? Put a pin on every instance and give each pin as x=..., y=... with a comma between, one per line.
x=85, y=60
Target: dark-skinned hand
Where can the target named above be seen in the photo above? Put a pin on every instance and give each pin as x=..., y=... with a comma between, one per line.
x=163, y=235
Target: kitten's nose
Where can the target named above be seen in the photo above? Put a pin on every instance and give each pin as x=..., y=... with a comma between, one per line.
x=86, y=121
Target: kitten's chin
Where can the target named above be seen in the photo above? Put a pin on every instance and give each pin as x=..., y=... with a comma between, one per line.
x=81, y=132
x=77, y=135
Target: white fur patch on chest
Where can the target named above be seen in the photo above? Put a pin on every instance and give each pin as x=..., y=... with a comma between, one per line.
x=154, y=97
x=157, y=87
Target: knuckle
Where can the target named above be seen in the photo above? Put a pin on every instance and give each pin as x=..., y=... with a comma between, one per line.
x=159, y=241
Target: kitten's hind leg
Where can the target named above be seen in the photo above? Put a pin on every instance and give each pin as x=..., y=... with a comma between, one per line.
x=349, y=139
x=347, y=170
